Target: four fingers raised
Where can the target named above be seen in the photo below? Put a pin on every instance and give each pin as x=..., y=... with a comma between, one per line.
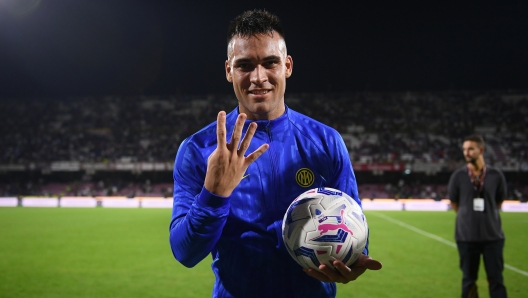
x=235, y=144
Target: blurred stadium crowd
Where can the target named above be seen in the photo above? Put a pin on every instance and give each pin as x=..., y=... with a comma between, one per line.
x=377, y=127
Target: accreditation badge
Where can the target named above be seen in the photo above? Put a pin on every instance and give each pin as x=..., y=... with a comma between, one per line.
x=478, y=204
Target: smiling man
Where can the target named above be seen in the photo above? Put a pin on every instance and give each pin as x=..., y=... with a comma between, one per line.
x=235, y=178
x=258, y=67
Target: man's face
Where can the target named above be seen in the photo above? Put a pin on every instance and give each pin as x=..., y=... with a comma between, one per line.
x=258, y=67
x=471, y=151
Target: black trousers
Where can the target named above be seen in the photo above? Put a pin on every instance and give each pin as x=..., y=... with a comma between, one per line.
x=492, y=252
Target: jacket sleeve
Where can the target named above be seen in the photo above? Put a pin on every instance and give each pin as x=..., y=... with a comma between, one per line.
x=198, y=216
x=344, y=178
x=452, y=188
x=502, y=190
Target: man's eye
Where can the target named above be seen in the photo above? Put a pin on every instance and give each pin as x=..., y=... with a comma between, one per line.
x=270, y=64
x=244, y=66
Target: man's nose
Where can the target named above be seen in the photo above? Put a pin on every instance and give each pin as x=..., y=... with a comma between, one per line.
x=258, y=75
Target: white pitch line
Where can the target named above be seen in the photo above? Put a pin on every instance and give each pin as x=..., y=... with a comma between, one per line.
x=516, y=269
x=437, y=238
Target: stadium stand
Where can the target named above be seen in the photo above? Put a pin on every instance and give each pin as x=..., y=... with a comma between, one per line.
x=419, y=129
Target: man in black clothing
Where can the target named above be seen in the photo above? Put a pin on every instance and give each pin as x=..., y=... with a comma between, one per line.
x=476, y=192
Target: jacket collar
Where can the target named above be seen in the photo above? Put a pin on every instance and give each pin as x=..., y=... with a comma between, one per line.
x=268, y=124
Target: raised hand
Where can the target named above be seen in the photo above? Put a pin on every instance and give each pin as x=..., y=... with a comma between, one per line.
x=227, y=164
x=342, y=273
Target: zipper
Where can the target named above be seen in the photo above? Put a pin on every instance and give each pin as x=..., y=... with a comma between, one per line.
x=273, y=166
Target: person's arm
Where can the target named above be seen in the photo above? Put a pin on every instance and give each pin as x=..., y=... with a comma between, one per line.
x=345, y=180
x=454, y=206
x=201, y=205
x=198, y=216
x=453, y=193
x=502, y=191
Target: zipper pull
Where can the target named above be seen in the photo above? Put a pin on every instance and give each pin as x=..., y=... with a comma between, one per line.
x=268, y=131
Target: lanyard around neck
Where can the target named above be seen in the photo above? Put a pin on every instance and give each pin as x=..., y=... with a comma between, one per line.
x=477, y=181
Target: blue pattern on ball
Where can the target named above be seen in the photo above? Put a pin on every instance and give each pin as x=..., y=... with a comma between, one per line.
x=309, y=253
x=340, y=237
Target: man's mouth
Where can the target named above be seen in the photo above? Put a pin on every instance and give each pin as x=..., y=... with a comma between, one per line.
x=259, y=92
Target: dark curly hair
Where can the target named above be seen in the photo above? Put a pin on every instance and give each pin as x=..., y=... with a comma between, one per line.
x=254, y=22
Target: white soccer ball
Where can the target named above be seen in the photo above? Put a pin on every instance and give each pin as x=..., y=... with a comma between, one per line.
x=322, y=225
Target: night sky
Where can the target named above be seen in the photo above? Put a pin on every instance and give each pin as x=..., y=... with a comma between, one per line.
x=98, y=47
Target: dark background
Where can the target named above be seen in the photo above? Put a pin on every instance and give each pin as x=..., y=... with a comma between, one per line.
x=100, y=47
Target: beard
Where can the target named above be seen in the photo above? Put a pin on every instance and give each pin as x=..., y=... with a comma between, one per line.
x=470, y=159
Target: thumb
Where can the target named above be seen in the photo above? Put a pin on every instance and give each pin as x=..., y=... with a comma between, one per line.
x=372, y=264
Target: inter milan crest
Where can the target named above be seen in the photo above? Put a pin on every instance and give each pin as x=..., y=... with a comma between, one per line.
x=305, y=177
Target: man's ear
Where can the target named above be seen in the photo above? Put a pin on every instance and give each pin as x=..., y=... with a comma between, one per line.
x=289, y=66
x=229, y=77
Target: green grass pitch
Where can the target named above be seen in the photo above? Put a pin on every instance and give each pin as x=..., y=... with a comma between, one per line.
x=63, y=252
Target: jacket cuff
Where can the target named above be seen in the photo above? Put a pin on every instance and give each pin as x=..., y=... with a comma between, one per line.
x=208, y=199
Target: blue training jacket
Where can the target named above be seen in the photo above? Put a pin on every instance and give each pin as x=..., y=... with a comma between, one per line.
x=243, y=232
